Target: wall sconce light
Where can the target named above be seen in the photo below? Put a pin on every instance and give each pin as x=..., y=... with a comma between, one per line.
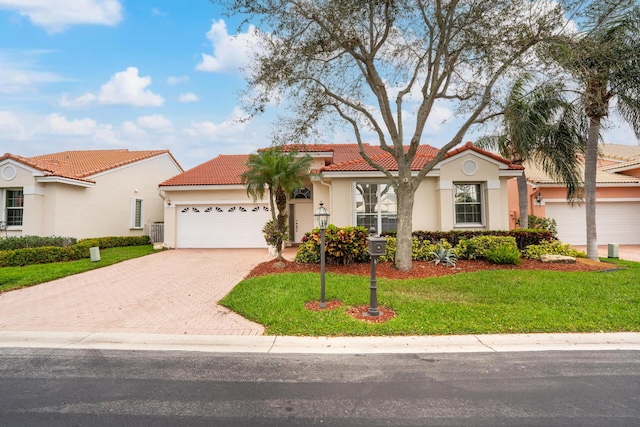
x=168, y=202
x=539, y=198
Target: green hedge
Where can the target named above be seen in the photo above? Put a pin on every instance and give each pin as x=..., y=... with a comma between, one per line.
x=349, y=244
x=24, y=242
x=48, y=254
x=478, y=247
x=524, y=237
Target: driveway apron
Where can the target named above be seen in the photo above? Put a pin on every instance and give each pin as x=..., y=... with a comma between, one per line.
x=170, y=292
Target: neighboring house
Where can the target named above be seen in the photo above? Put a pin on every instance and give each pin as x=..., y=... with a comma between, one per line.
x=208, y=207
x=91, y=193
x=617, y=199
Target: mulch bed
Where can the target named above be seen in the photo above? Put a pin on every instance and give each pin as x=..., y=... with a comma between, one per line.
x=421, y=269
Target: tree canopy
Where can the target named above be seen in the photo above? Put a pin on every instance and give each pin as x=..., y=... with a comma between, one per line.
x=382, y=66
x=277, y=173
x=604, y=60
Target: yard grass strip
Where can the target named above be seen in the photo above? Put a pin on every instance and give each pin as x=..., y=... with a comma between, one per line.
x=19, y=277
x=483, y=302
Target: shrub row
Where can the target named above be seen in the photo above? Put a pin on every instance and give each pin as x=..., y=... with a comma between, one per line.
x=48, y=254
x=524, y=237
x=349, y=244
x=23, y=242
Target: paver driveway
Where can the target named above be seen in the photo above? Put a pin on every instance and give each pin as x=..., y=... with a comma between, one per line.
x=170, y=292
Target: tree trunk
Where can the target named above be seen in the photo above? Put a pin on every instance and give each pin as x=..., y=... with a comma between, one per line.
x=523, y=201
x=405, y=197
x=590, y=168
x=281, y=203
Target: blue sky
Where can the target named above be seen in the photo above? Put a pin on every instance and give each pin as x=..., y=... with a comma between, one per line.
x=137, y=74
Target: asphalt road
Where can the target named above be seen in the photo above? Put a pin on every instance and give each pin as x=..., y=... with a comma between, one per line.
x=52, y=387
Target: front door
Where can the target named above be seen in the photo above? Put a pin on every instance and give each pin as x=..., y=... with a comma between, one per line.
x=302, y=220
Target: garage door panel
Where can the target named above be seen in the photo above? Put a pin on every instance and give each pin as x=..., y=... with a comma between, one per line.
x=616, y=222
x=222, y=226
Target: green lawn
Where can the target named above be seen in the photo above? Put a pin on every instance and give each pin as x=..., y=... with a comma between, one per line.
x=19, y=277
x=497, y=301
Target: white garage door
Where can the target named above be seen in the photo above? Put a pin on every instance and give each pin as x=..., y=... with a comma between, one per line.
x=222, y=226
x=616, y=222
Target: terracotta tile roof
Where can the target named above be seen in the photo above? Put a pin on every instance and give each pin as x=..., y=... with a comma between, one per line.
x=628, y=156
x=634, y=164
x=537, y=176
x=82, y=164
x=341, y=152
x=470, y=146
x=424, y=155
x=222, y=170
x=621, y=152
x=226, y=169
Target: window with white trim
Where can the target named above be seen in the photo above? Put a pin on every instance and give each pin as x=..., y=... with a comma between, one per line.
x=468, y=204
x=137, y=213
x=376, y=206
x=14, y=205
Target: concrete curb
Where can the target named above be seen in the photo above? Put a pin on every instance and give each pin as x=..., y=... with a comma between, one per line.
x=323, y=345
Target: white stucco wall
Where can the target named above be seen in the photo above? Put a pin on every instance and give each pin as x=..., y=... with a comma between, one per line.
x=33, y=199
x=495, y=206
x=63, y=209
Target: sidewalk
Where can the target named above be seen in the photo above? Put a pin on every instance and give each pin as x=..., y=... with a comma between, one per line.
x=324, y=345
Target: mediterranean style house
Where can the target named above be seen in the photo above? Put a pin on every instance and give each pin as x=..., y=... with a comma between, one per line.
x=91, y=193
x=617, y=199
x=208, y=207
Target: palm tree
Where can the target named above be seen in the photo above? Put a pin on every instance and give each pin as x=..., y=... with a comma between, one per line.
x=543, y=127
x=605, y=60
x=279, y=173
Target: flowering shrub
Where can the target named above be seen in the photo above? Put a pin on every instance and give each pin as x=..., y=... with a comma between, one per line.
x=343, y=245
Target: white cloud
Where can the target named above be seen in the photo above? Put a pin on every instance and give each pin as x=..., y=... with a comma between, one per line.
x=173, y=81
x=80, y=102
x=157, y=12
x=55, y=16
x=230, y=52
x=155, y=123
x=235, y=124
x=131, y=130
x=59, y=125
x=124, y=88
x=10, y=125
x=18, y=72
x=188, y=97
x=437, y=119
x=127, y=88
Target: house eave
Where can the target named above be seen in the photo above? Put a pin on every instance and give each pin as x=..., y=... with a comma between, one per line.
x=62, y=180
x=196, y=187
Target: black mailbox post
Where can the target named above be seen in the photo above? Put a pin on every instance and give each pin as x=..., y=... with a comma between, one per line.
x=377, y=247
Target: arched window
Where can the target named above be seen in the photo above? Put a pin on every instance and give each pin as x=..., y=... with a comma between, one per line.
x=301, y=193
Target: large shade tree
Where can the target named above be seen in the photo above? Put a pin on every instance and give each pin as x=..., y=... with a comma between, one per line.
x=276, y=173
x=604, y=58
x=541, y=125
x=382, y=67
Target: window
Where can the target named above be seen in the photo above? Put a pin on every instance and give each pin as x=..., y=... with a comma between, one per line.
x=376, y=206
x=468, y=204
x=137, y=213
x=301, y=193
x=15, y=207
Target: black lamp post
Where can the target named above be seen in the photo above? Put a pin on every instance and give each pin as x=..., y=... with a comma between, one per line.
x=322, y=219
x=377, y=248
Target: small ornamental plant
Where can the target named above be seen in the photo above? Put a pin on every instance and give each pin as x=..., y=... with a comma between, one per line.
x=444, y=255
